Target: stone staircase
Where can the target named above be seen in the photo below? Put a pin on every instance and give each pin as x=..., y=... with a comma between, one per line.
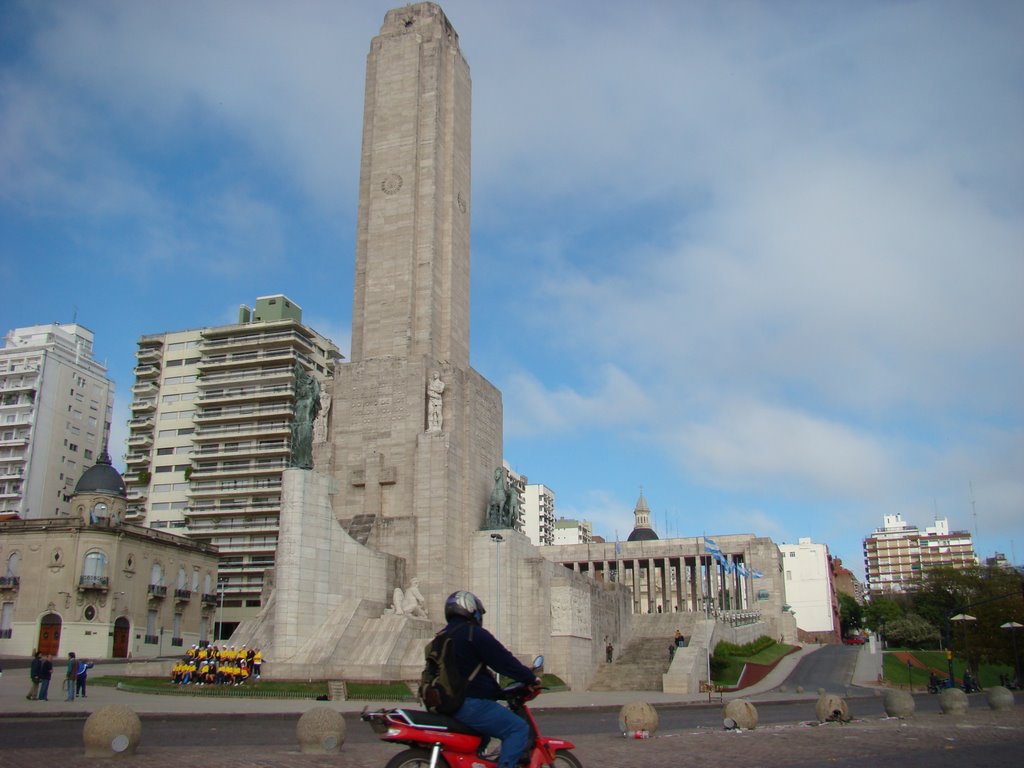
x=639, y=668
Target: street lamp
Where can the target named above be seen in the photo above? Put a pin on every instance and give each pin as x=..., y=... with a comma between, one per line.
x=963, y=617
x=1013, y=626
x=221, y=581
x=498, y=539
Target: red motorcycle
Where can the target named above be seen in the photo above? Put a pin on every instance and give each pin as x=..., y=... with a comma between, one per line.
x=440, y=741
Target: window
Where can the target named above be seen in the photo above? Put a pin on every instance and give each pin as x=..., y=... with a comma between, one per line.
x=95, y=564
x=156, y=574
x=14, y=564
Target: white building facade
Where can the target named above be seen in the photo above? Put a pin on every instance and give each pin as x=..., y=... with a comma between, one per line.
x=810, y=590
x=539, y=514
x=569, y=531
x=897, y=555
x=210, y=436
x=55, y=409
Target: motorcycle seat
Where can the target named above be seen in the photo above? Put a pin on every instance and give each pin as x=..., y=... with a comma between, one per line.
x=432, y=720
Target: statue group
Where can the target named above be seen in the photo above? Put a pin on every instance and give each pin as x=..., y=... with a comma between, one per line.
x=503, y=508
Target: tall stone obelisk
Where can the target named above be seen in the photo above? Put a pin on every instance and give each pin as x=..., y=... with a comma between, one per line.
x=413, y=468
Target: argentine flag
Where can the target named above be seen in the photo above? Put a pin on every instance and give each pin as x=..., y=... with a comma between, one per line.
x=710, y=546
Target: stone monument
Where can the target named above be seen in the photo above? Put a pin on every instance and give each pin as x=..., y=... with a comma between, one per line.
x=388, y=521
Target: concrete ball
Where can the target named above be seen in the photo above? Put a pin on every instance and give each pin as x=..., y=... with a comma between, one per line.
x=952, y=701
x=112, y=731
x=899, y=703
x=741, y=712
x=320, y=730
x=999, y=697
x=831, y=707
x=638, y=716
x=799, y=689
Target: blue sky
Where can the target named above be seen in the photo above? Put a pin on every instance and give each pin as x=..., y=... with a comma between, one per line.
x=764, y=260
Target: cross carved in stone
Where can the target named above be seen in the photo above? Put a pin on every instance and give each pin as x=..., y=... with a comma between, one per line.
x=372, y=478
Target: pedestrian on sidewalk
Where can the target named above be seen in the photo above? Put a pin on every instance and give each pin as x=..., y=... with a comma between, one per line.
x=45, y=675
x=70, y=676
x=80, y=677
x=33, y=674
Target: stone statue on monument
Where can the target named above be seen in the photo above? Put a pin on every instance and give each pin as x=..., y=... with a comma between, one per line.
x=410, y=602
x=307, y=404
x=435, y=416
x=503, y=509
x=320, y=424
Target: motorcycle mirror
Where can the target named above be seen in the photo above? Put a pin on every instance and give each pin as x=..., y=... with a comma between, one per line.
x=538, y=662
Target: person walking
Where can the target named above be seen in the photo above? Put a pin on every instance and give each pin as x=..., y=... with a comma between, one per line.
x=45, y=674
x=33, y=674
x=80, y=677
x=70, y=676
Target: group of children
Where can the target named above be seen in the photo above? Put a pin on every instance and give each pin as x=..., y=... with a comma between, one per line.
x=213, y=665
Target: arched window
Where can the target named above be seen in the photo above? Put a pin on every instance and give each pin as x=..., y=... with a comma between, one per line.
x=156, y=574
x=195, y=579
x=95, y=564
x=181, y=578
x=14, y=564
x=207, y=583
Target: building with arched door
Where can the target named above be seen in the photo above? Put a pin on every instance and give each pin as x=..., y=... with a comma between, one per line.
x=93, y=584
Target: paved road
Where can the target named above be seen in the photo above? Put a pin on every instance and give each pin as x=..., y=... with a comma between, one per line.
x=830, y=667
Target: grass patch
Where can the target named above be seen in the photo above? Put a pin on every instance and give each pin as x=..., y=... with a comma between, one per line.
x=379, y=691
x=895, y=671
x=727, y=667
x=271, y=689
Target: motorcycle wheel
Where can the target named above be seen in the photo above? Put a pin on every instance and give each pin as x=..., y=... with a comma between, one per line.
x=414, y=758
x=566, y=759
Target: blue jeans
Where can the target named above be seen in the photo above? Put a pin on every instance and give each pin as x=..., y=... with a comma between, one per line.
x=44, y=689
x=492, y=719
x=69, y=686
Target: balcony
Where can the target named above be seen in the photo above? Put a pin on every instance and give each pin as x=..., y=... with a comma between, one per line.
x=152, y=639
x=239, y=413
x=183, y=594
x=157, y=590
x=209, y=599
x=10, y=582
x=146, y=371
x=137, y=458
x=99, y=583
x=235, y=394
x=145, y=388
x=254, y=375
x=150, y=355
x=142, y=406
x=209, y=433
x=140, y=441
x=255, y=341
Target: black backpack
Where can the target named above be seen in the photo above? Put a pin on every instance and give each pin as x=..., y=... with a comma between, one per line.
x=442, y=687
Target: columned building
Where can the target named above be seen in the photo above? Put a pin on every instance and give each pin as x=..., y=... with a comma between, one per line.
x=210, y=436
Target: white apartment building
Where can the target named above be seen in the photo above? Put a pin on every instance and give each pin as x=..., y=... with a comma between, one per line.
x=568, y=531
x=539, y=514
x=897, y=555
x=210, y=436
x=810, y=590
x=55, y=409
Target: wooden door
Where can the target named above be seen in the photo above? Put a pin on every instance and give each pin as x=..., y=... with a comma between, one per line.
x=49, y=634
x=122, y=631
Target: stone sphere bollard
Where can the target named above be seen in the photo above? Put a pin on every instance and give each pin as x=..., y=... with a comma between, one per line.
x=899, y=703
x=638, y=716
x=999, y=697
x=740, y=713
x=320, y=730
x=112, y=731
x=831, y=707
x=952, y=701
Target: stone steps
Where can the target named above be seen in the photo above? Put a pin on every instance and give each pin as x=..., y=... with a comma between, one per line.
x=639, y=668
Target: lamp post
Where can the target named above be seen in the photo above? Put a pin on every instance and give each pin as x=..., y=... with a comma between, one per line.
x=1013, y=626
x=498, y=539
x=221, y=581
x=964, y=618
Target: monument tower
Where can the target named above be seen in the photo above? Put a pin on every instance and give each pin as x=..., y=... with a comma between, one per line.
x=415, y=433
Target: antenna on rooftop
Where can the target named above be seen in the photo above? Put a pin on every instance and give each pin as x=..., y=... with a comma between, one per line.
x=974, y=511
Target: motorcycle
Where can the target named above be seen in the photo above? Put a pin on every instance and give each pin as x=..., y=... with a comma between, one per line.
x=441, y=741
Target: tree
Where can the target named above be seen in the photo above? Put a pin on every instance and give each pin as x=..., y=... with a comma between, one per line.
x=911, y=631
x=881, y=611
x=851, y=614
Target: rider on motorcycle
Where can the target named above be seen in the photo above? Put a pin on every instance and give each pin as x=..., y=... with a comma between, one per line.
x=474, y=645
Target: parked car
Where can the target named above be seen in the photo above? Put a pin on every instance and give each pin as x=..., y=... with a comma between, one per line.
x=854, y=640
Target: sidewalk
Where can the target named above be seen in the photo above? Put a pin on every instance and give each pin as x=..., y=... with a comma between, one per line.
x=14, y=685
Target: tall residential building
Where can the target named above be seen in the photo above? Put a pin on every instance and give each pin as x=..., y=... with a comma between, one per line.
x=568, y=531
x=210, y=436
x=897, y=555
x=810, y=590
x=539, y=514
x=55, y=409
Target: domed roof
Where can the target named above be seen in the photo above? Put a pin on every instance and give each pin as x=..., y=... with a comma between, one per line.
x=102, y=478
x=642, y=531
x=643, y=534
